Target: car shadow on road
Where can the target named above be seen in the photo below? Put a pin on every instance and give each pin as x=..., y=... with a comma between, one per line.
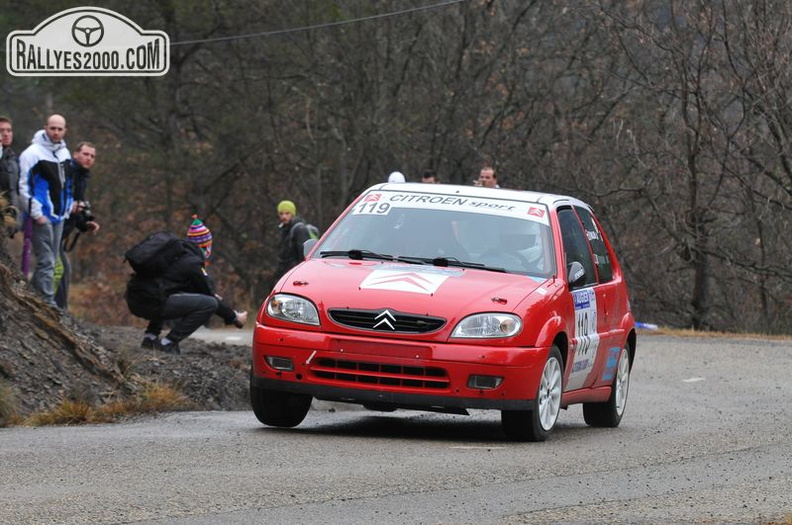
x=412, y=425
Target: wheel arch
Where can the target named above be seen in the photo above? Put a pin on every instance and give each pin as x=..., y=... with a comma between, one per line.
x=562, y=342
x=631, y=344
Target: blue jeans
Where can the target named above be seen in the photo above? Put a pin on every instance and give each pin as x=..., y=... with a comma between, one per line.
x=46, y=245
x=191, y=310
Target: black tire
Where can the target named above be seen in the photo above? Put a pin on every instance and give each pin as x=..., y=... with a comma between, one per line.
x=538, y=423
x=609, y=414
x=279, y=409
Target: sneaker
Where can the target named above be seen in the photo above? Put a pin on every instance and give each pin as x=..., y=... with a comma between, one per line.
x=171, y=348
x=150, y=344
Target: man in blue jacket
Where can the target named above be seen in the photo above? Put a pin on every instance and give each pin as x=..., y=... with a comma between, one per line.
x=45, y=191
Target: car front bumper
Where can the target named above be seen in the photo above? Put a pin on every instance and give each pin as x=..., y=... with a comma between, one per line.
x=395, y=372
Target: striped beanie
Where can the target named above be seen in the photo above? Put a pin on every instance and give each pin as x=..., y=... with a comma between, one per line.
x=200, y=235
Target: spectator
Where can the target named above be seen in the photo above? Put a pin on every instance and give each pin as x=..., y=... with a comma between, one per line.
x=201, y=236
x=293, y=235
x=429, y=177
x=45, y=189
x=9, y=170
x=189, y=296
x=396, y=176
x=488, y=178
x=81, y=217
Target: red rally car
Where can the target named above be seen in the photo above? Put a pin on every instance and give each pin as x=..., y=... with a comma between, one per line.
x=446, y=298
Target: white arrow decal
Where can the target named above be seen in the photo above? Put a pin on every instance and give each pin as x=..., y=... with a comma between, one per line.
x=401, y=281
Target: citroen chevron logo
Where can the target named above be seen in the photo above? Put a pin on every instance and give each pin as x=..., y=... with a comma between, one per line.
x=385, y=318
x=404, y=281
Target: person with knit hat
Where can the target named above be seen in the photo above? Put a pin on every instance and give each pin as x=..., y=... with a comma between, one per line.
x=200, y=236
x=190, y=294
x=293, y=233
x=397, y=177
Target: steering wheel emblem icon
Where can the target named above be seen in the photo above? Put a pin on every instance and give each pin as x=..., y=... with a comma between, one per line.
x=87, y=31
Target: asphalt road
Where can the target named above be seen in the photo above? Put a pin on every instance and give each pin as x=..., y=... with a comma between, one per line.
x=707, y=438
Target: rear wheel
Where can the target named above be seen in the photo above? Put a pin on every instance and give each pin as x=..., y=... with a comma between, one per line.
x=279, y=409
x=609, y=414
x=538, y=423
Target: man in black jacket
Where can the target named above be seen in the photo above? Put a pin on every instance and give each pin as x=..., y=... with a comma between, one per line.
x=185, y=294
x=80, y=219
x=293, y=234
x=9, y=170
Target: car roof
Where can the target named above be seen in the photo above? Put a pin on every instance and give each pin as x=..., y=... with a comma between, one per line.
x=550, y=200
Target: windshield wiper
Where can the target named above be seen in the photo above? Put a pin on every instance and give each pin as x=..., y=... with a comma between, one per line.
x=357, y=255
x=449, y=261
x=443, y=262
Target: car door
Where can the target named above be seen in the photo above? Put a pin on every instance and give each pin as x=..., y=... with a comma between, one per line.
x=586, y=341
x=611, y=296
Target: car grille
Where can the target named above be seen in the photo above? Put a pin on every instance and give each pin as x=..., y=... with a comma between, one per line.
x=385, y=320
x=381, y=374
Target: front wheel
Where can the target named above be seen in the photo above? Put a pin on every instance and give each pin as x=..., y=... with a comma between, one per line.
x=538, y=423
x=279, y=409
x=609, y=414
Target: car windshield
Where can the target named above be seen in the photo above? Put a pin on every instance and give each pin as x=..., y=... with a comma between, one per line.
x=445, y=230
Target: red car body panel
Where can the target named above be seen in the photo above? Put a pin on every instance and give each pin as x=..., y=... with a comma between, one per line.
x=433, y=370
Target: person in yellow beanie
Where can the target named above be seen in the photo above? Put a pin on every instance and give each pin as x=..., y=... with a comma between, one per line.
x=293, y=233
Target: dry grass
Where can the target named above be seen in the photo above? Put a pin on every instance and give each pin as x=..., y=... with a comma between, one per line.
x=127, y=361
x=786, y=521
x=153, y=398
x=8, y=405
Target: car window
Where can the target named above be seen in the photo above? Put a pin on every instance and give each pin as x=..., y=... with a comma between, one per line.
x=576, y=247
x=594, y=235
x=515, y=241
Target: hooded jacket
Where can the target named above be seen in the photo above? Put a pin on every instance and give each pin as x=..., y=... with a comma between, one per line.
x=45, y=182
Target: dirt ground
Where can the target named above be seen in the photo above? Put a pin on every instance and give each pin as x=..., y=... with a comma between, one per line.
x=107, y=364
x=48, y=357
x=213, y=375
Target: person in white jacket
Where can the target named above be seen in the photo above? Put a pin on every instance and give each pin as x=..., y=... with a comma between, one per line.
x=45, y=191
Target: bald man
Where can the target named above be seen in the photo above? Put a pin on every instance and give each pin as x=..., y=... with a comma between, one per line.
x=45, y=191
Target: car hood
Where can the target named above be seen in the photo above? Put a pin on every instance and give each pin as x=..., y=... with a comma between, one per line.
x=451, y=293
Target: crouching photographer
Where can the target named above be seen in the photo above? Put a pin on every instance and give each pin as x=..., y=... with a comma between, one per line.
x=81, y=219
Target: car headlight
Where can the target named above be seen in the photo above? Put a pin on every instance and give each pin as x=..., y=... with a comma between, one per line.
x=293, y=308
x=487, y=326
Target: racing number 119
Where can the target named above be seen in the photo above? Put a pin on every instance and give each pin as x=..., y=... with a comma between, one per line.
x=365, y=208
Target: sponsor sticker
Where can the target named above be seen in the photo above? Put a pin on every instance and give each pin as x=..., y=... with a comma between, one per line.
x=87, y=41
x=613, y=361
x=586, y=340
x=383, y=202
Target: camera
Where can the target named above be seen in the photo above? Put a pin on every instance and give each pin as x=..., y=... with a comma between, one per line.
x=84, y=209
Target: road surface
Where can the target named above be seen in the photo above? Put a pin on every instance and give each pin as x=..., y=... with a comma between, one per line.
x=707, y=438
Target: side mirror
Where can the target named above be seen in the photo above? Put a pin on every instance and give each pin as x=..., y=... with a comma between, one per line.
x=308, y=246
x=576, y=275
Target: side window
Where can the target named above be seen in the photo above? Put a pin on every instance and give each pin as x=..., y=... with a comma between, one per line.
x=576, y=247
x=594, y=235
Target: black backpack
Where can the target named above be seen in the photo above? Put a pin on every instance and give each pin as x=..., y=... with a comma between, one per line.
x=154, y=254
x=145, y=293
